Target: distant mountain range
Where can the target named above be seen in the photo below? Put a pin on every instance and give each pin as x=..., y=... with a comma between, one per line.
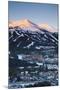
x=27, y=24
x=28, y=35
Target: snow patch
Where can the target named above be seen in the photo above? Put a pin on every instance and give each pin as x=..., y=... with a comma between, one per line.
x=31, y=44
x=19, y=57
x=39, y=63
x=37, y=47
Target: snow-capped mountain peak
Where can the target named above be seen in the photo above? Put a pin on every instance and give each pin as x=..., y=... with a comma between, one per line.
x=25, y=25
x=21, y=23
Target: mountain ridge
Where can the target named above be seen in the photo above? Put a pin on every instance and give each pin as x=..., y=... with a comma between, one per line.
x=27, y=24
